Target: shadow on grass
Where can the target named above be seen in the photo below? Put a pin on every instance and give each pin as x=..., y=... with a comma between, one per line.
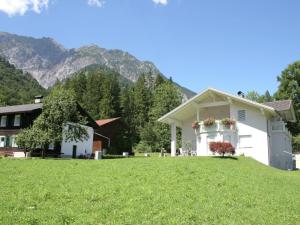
x=226, y=157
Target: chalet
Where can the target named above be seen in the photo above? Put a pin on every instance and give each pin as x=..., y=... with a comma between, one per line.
x=15, y=118
x=256, y=130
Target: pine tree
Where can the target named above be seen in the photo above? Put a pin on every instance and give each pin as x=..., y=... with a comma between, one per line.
x=141, y=99
x=268, y=97
x=165, y=98
x=109, y=103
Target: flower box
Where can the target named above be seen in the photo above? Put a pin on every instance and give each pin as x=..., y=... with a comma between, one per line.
x=195, y=125
x=228, y=123
x=209, y=122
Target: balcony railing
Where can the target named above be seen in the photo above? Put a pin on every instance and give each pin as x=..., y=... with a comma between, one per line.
x=217, y=127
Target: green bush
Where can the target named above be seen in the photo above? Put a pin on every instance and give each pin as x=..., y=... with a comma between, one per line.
x=142, y=147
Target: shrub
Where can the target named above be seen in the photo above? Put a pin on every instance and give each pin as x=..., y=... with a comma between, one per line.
x=222, y=148
x=209, y=122
x=195, y=125
x=228, y=122
x=142, y=147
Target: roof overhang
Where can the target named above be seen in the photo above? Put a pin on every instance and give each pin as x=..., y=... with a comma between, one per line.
x=200, y=101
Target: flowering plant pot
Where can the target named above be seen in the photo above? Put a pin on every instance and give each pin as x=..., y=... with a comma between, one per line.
x=227, y=122
x=195, y=125
x=209, y=122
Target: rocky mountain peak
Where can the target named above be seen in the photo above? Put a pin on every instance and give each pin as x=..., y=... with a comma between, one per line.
x=48, y=61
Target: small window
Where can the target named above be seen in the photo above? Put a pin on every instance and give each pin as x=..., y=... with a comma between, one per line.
x=13, y=142
x=2, y=141
x=8, y=141
x=51, y=147
x=245, y=141
x=241, y=115
x=3, y=121
x=17, y=121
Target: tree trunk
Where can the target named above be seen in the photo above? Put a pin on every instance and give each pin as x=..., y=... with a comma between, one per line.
x=44, y=151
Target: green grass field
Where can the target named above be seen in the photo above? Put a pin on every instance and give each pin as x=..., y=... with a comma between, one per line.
x=147, y=191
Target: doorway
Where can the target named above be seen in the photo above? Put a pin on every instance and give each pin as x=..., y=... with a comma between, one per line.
x=74, y=152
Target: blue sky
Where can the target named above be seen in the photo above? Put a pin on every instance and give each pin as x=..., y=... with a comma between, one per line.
x=231, y=45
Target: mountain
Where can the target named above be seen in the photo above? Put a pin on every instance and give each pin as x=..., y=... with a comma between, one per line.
x=49, y=61
x=17, y=87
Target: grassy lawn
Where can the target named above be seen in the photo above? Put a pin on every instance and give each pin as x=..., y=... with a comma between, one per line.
x=147, y=191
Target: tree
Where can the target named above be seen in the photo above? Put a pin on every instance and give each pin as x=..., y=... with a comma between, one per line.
x=16, y=86
x=59, y=119
x=109, y=105
x=159, y=80
x=268, y=97
x=289, y=88
x=127, y=114
x=142, y=102
x=255, y=96
x=166, y=97
x=26, y=139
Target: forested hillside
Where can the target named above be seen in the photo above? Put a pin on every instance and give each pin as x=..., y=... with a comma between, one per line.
x=105, y=94
x=17, y=87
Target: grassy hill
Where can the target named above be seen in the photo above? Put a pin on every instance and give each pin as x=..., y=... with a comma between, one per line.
x=147, y=191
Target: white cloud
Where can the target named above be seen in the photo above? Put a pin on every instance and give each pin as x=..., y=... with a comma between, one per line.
x=160, y=2
x=14, y=7
x=97, y=3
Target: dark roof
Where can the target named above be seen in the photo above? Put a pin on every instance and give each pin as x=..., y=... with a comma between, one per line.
x=20, y=108
x=106, y=121
x=280, y=105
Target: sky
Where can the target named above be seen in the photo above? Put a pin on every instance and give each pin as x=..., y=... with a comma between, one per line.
x=231, y=45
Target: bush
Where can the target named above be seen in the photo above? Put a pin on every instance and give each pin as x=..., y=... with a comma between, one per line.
x=142, y=147
x=222, y=148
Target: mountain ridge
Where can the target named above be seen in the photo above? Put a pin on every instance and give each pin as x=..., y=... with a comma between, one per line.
x=49, y=61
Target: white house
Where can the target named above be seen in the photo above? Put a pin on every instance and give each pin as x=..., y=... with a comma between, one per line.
x=76, y=148
x=259, y=132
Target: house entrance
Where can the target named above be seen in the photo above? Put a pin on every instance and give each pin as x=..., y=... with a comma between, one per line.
x=74, y=153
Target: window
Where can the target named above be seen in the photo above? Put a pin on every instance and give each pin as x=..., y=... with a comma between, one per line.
x=3, y=121
x=245, y=141
x=241, y=115
x=8, y=141
x=51, y=147
x=17, y=121
x=2, y=141
x=13, y=142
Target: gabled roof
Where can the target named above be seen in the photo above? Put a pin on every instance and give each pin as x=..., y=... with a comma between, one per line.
x=285, y=108
x=20, y=108
x=198, y=97
x=280, y=105
x=106, y=121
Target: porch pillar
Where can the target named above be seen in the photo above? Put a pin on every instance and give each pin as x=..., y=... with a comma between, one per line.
x=173, y=139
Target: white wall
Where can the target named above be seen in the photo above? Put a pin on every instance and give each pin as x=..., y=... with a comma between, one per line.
x=297, y=157
x=82, y=146
x=188, y=134
x=281, y=151
x=255, y=126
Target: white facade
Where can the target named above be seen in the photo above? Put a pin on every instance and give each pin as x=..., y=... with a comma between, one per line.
x=259, y=132
x=72, y=148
